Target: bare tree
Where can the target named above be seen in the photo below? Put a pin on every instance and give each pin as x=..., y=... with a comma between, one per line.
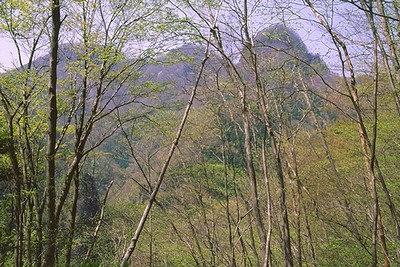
x=131, y=248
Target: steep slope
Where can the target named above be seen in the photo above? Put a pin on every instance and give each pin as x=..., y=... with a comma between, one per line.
x=282, y=40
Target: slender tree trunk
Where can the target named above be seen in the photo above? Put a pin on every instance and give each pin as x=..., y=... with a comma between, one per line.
x=17, y=202
x=51, y=251
x=267, y=255
x=71, y=230
x=245, y=113
x=28, y=233
x=28, y=170
x=275, y=149
x=35, y=205
x=393, y=46
x=27, y=185
x=99, y=223
x=19, y=220
x=245, y=254
x=309, y=238
x=252, y=175
x=227, y=200
x=395, y=61
x=39, y=208
x=248, y=147
x=211, y=246
x=160, y=179
x=250, y=219
x=371, y=160
x=297, y=198
x=277, y=159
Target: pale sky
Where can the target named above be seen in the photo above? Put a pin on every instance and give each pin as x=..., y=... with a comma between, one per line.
x=311, y=35
x=8, y=54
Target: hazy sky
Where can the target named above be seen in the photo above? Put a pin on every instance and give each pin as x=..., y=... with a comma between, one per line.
x=311, y=35
x=8, y=53
x=9, y=56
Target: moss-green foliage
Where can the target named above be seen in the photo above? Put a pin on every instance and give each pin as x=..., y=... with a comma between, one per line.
x=210, y=177
x=341, y=252
x=90, y=264
x=6, y=233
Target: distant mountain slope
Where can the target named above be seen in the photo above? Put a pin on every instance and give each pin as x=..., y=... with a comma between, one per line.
x=177, y=66
x=281, y=39
x=177, y=70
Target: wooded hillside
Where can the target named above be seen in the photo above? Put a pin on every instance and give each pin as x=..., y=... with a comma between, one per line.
x=200, y=133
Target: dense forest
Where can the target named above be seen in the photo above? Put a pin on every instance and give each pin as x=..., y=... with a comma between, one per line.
x=200, y=133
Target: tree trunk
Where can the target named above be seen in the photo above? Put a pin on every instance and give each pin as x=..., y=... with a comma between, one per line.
x=267, y=254
x=393, y=47
x=245, y=113
x=309, y=238
x=371, y=160
x=17, y=202
x=71, y=230
x=50, y=252
x=135, y=238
